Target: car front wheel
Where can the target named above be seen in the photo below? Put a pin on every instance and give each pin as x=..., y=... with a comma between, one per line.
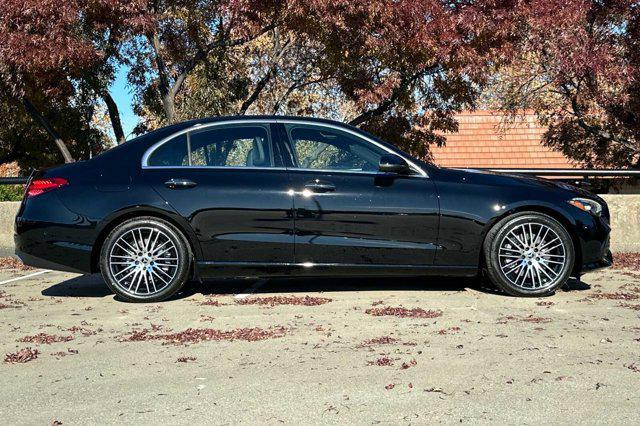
x=529, y=254
x=145, y=259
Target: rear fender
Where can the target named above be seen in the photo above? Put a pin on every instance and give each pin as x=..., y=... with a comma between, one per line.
x=130, y=212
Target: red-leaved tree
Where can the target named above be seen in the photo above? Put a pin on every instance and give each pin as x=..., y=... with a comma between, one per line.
x=577, y=64
x=49, y=47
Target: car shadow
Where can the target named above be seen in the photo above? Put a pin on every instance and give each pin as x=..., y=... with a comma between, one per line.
x=81, y=286
x=93, y=286
x=576, y=285
x=301, y=285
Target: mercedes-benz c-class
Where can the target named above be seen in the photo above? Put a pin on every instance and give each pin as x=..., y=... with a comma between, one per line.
x=299, y=197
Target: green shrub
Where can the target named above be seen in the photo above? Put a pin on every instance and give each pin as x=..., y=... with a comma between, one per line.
x=11, y=192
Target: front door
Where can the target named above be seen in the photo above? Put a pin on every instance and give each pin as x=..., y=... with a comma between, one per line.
x=225, y=181
x=346, y=212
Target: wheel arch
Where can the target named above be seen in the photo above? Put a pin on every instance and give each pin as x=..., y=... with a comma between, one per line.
x=121, y=216
x=555, y=213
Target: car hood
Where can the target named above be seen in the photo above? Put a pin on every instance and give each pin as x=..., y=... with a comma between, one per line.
x=528, y=180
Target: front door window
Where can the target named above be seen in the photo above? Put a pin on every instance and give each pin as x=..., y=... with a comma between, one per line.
x=326, y=149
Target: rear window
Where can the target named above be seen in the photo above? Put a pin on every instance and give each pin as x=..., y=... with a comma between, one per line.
x=234, y=146
x=172, y=153
x=238, y=146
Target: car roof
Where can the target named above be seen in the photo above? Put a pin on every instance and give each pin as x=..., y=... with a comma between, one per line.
x=173, y=128
x=165, y=131
x=260, y=117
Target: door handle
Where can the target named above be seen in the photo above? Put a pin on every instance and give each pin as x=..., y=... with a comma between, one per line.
x=320, y=186
x=179, y=184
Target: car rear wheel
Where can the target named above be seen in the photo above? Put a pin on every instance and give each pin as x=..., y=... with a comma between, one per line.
x=145, y=259
x=529, y=254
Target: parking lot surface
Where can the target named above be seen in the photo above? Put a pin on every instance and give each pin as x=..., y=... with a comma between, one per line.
x=393, y=351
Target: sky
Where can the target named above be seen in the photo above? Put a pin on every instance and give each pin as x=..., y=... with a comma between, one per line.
x=121, y=93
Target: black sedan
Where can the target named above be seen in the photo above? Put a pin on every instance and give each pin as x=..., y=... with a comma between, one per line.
x=286, y=196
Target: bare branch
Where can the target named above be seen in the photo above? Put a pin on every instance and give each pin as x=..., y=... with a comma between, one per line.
x=595, y=129
x=294, y=87
x=262, y=83
x=35, y=114
x=384, y=106
x=202, y=54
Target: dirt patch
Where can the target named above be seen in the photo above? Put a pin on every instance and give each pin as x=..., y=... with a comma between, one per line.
x=615, y=296
x=626, y=261
x=403, y=312
x=21, y=356
x=629, y=306
x=450, y=330
x=530, y=318
x=633, y=367
x=62, y=354
x=383, y=340
x=13, y=263
x=82, y=330
x=284, y=300
x=8, y=301
x=409, y=364
x=196, y=335
x=45, y=339
x=382, y=362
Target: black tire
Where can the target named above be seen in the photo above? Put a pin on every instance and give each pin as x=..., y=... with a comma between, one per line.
x=506, y=248
x=164, y=281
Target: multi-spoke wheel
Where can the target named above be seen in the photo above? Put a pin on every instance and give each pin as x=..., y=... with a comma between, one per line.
x=529, y=254
x=145, y=259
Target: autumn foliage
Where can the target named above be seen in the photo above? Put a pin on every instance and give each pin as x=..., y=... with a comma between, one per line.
x=400, y=69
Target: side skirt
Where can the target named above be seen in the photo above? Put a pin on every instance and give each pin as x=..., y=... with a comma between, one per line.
x=274, y=270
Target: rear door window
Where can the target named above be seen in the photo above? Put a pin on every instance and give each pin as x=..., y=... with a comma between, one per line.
x=233, y=146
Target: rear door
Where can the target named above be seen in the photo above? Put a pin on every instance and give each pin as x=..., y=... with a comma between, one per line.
x=225, y=180
x=348, y=213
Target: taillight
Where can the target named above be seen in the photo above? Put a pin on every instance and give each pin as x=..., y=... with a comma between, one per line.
x=40, y=186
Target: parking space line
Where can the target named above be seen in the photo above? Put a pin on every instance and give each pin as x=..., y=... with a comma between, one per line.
x=25, y=276
x=248, y=292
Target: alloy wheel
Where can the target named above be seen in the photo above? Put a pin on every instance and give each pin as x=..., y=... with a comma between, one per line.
x=143, y=261
x=532, y=256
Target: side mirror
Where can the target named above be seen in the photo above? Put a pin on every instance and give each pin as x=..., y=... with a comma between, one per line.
x=390, y=163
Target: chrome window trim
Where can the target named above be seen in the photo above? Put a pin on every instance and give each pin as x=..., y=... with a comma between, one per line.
x=201, y=126
x=198, y=127
x=215, y=167
x=358, y=172
x=290, y=169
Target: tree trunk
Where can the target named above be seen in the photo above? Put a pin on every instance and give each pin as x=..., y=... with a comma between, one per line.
x=167, y=95
x=169, y=106
x=35, y=114
x=114, y=116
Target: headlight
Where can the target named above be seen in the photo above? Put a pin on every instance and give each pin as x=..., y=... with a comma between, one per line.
x=587, y=205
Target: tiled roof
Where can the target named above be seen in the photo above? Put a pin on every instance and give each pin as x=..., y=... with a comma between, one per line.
x=481, y=142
